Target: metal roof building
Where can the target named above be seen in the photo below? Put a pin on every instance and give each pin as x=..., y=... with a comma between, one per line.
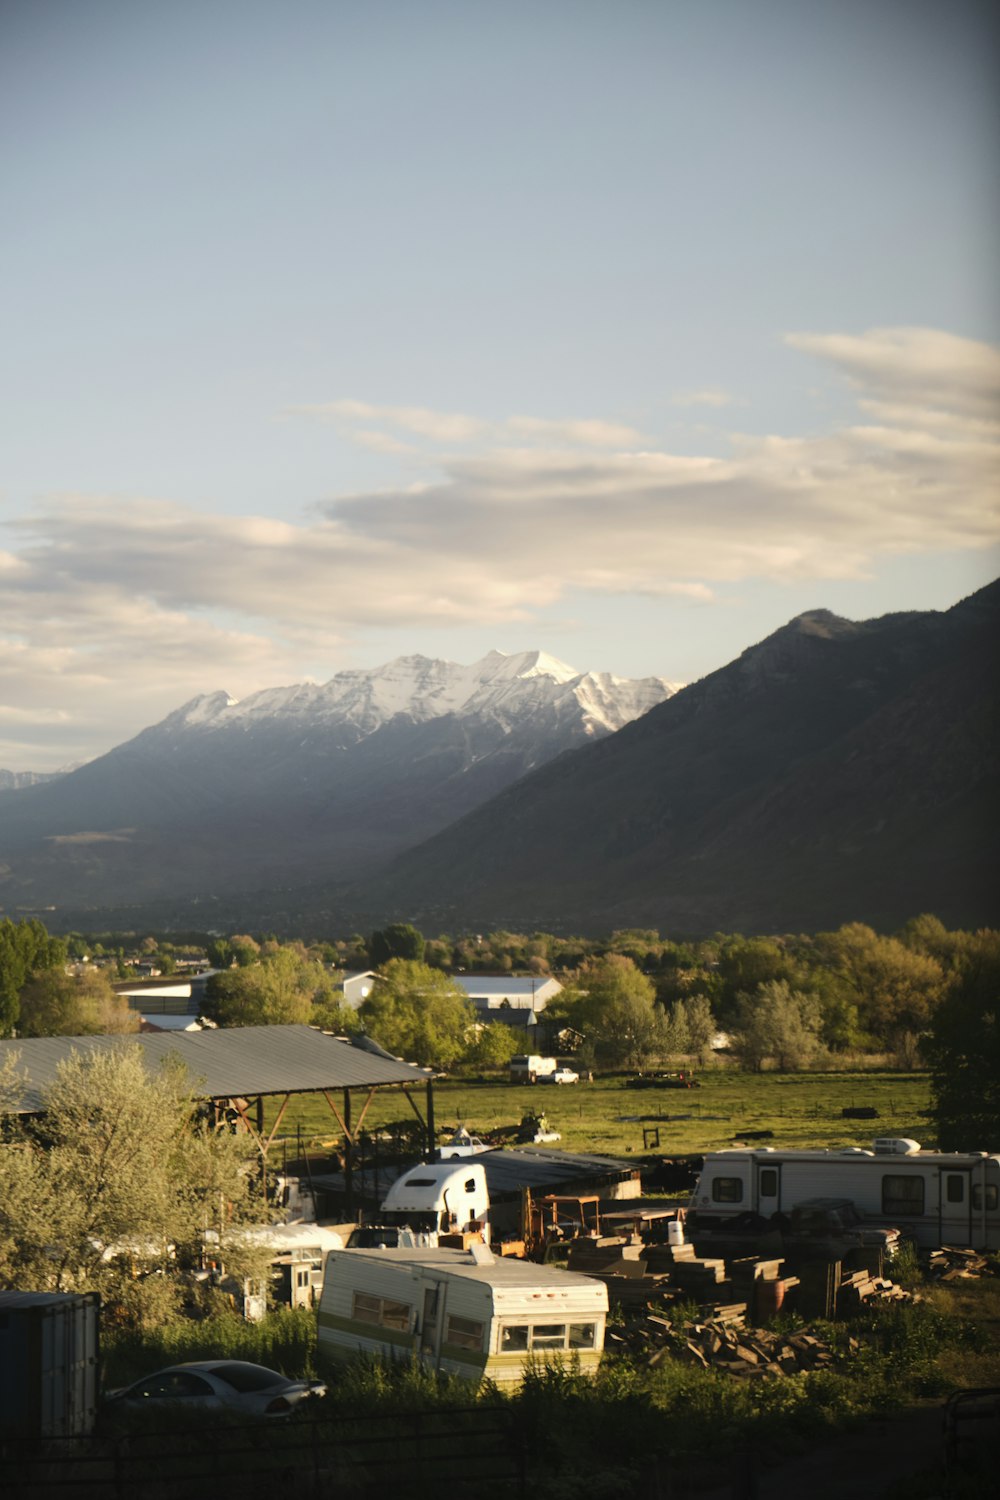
x=233, y=1065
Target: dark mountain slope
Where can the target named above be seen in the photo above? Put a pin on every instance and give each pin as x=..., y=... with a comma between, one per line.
x=834, y=771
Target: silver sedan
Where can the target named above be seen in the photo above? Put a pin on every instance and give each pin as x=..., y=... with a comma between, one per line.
x=214, y=1385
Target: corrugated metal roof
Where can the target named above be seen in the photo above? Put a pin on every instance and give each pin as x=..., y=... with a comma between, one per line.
x=230, y=1062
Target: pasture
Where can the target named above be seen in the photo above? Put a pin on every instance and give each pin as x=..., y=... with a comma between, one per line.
x=798, y=1109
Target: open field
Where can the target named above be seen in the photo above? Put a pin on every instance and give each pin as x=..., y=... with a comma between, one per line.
x=800, y=1109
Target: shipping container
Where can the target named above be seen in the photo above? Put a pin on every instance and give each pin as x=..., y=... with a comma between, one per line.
x=49, y=1368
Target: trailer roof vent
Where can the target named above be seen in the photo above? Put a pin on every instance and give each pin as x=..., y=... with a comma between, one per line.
x=895, y=1145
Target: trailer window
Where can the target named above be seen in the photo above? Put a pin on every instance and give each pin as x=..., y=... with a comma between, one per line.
x=384, y=1311
x=727, y=1190
x=465, y=1333
x=548, y=1336
x=954, y=1188
x=769, y=1182
x=514, y=1338
x=990, y=1201
x=581, y=1335
x=902, y=1194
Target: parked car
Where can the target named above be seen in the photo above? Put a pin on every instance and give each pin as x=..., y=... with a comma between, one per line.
x=216, y=1385
x=562, y=1075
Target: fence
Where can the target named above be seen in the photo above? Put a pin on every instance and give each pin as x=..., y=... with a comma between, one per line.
x=458, y=1449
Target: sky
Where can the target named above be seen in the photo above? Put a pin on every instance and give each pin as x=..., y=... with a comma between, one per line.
x=620, y=329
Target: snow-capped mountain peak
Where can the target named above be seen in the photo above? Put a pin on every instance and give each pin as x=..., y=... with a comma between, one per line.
x=504, y=689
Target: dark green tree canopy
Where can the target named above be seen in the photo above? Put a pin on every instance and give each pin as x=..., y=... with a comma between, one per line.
x=398, y=940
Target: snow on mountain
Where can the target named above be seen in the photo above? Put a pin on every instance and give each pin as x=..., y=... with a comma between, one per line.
x=500, y=688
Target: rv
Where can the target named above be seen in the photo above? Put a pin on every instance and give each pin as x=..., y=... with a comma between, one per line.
x=464, y=1312
x=439, y=1198
x=933, y=1197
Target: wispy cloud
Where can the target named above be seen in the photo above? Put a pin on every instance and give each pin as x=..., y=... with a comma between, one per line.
x=112, y=612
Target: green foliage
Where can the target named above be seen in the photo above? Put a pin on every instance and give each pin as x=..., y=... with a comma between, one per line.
x=54, y=1003
x=614, y=1005
x=964, y=1051
x=111, y=1175
x=779, y=1023
x=281, y=988
x=418, y=1013
x=285, y=1340
x=492, y=1047
x=25, y=949
x=398, y=940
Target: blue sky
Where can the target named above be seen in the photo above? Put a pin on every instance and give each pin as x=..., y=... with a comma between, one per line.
x=339, y=331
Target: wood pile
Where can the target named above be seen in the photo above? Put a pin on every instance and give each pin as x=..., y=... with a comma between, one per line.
x=858, y=1288
x=953, y=1263
x=717, y=1344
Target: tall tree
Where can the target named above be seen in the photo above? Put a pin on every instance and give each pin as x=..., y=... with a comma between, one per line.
x=614, y=1005
x=281, y=989
x=419, y=1014
x=777, y=1023
x=398, y=940
x=964, y=1051
x=26, y=948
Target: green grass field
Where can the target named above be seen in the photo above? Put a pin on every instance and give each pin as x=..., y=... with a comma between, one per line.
x=801, y=1109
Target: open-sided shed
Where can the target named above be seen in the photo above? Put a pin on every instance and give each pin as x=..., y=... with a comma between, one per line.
x=238, y=1068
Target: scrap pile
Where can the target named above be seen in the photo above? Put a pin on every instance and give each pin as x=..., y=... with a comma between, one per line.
x=859, y=1288
x=747, y=1353
x=951, y=1263
x=638, y=1276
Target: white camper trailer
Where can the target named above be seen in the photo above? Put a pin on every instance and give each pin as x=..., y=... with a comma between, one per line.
x=933, y=1197
x=439, y=1198
x=464, y=1312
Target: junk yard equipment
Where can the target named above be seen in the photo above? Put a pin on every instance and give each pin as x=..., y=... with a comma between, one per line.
x=933, y=1197
x=554, y=1219
x=464, y=1312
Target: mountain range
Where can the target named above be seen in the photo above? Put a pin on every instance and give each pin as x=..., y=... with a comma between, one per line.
x=835, y=771
x=298, y=783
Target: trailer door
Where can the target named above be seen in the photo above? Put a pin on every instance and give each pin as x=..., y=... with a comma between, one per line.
x=767, y=1197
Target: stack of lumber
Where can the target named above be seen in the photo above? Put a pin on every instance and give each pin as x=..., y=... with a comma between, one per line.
x=953, y=1263
x=619, y=1264
x=747, y=1353
x=858, y=1288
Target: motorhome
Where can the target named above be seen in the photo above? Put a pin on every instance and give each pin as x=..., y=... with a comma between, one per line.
x=464, y=1312
x=439, y=1198
x=933, y=1197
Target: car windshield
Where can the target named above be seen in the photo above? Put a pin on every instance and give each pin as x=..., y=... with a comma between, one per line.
x=243, y=1377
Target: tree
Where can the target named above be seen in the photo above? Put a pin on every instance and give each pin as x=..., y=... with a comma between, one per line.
x=281, y=989
x=25, y=948
x=964, y=1051
x=614, y=1005
x=117, y=1163
x=418, y=1013
x=491, y=1046
x=776, y=1022
x=398, y=940
x=690, y=1027
x=54, y=1003
x=746, y=963
x=895, y=988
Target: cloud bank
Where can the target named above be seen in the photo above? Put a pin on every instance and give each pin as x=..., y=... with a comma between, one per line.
x=112, y=612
